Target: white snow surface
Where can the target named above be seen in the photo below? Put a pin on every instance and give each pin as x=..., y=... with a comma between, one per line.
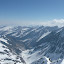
x=48, y=61
x=29, y=58
x=62, y=61
x=8, y=55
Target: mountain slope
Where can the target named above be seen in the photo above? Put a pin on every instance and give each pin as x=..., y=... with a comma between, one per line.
x=31, y=45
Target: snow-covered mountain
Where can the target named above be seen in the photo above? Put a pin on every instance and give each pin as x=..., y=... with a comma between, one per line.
x=31, y=45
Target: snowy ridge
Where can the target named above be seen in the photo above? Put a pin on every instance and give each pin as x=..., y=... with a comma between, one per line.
x=59, y=30
x=6, y=28
x=45, y=34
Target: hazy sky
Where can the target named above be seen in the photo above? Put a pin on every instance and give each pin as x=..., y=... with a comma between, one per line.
x=30, y=11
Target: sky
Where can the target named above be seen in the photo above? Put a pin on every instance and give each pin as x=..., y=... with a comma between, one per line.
x=27, y=12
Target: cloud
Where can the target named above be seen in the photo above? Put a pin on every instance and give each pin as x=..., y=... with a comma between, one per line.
x=55, y=22
x=59, y=21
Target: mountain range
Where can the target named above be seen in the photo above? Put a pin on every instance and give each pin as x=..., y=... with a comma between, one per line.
x=31, y=45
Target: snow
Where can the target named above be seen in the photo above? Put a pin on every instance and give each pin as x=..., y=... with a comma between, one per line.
x=5, y=28
x=1, y=48
x=29, y=58
x=25, y=29
x=59, y=30
x=14, y=34
x=8, y=55
x=25, y=40
x=48, y=61
x=1, y=45
x=45, y=34
x=3, y=56
x=19, y=63
x=6, y=62
x=62, y=61
x=2, y=39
